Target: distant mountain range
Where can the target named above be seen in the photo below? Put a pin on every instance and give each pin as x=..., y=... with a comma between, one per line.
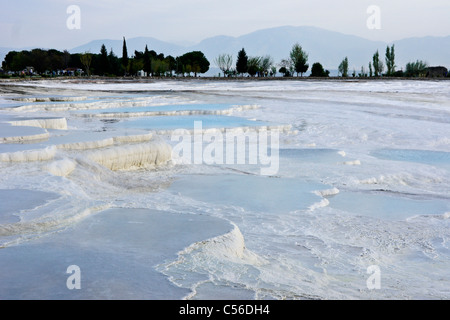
x=324, y=46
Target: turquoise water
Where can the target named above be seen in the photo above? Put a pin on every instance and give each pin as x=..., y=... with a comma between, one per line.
x=187, y=122
x=251, y=192
x=181, y=107
x=434, y=158
x=385, y=205
x=100, y=249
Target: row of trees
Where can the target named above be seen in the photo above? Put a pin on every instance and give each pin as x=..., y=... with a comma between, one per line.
x=297, y=63
x=41, y=60
x=377, y=67
x=153, y=64
x=107, y=63
x=264, y=66
x=150, y=63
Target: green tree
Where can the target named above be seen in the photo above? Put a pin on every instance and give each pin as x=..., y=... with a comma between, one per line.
x=66, y=58
x=124, y=56
x=318, y=71
x=343, y=68
x=55, y=60
x=136, y=65
x=265, y=65
x=253, y=65
x=284, y=71
x=378, y=66
x=115, y=67
x=299, y=59
x=416, y=69
x=390, y=60
x=103, y=66
x=138, y=55
x=375, y=61
x=86, y=60
x=171, y=64
x=194, y=61
x=17, y=61
x=147, y=61
x=75, y=61
x=160, y=67
x=224, y=63
x=242, y=62
x=7, y=62
x=40, y=60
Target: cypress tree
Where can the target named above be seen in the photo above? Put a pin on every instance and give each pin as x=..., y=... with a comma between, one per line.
x=124, y=56
x=103, y=63
x=343, y=67
x=147, y=61
x=377, y=64
x=242, y=62
x=390, y=60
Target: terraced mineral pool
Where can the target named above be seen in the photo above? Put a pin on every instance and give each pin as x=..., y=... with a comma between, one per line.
x=187, y=122
x=161, y=109
x=254, y=193
x=21, y=200
x=388, y=205
x=435, y=158
x=355, y=189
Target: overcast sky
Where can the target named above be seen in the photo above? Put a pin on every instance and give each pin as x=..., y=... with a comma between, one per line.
x=43, y=23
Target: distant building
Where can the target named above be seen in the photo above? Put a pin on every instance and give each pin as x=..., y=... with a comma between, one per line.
x=436, y=72
x=141, y=73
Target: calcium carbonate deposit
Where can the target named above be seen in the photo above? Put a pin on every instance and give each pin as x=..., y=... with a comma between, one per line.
x=203, y=189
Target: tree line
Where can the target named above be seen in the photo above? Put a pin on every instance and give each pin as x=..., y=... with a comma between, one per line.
x=376, y=67
x=106, y=63
x=264, y=66
x=151, y=63
x=297, y=64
